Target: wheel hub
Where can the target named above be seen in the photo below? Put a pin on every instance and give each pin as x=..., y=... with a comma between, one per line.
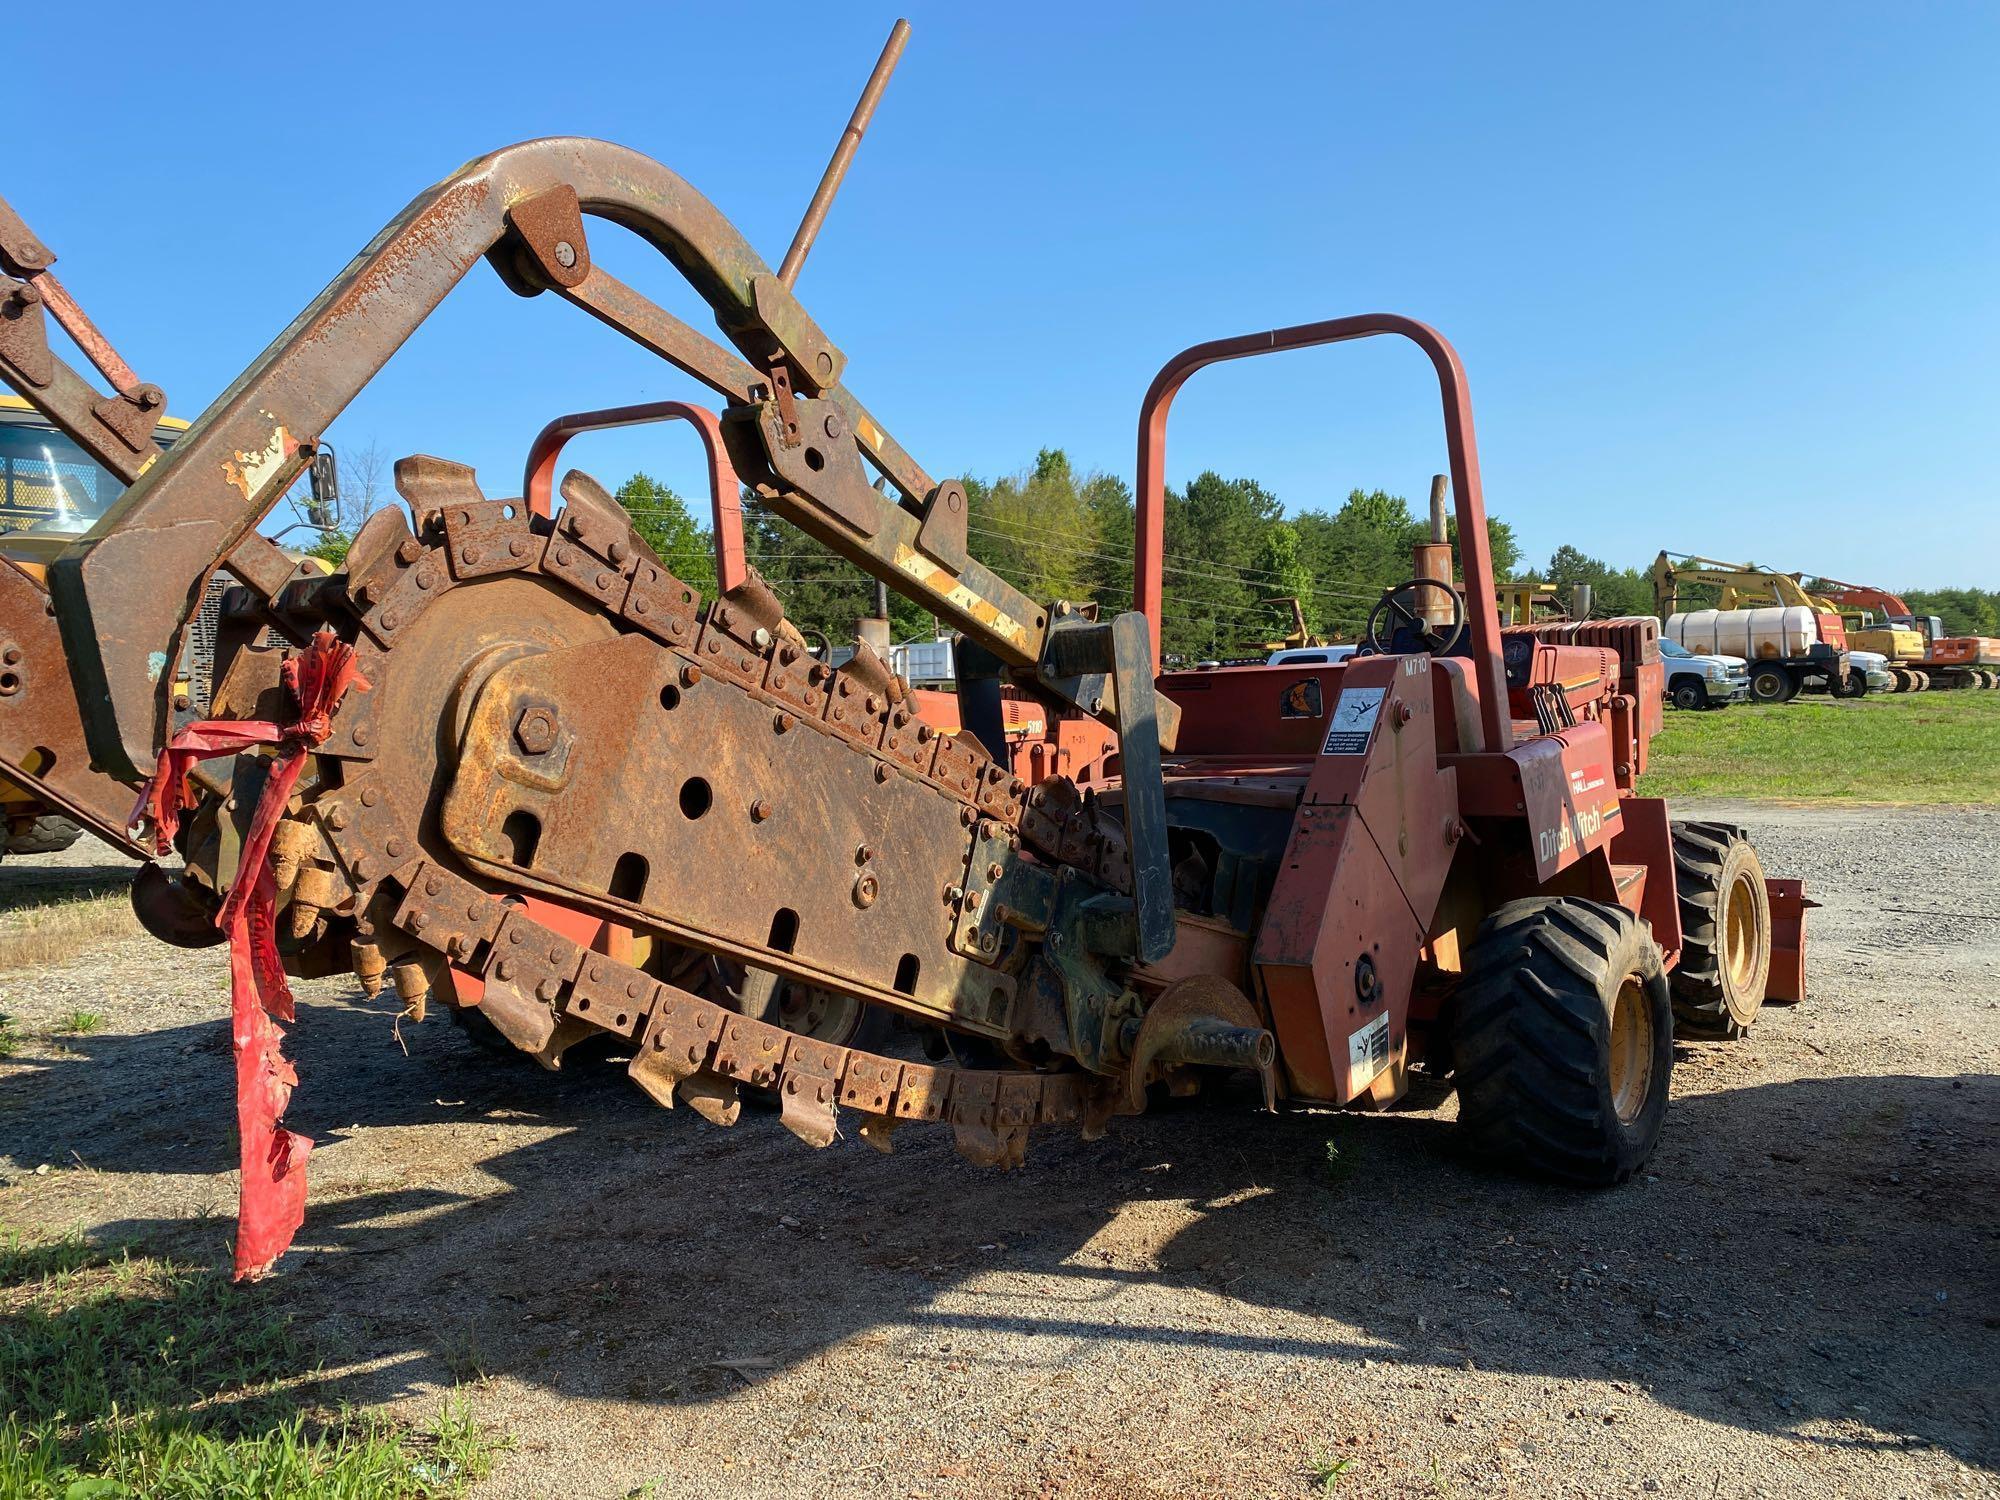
x=1631, y=1049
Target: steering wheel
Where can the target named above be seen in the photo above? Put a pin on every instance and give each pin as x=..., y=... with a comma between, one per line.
x=1437, y=640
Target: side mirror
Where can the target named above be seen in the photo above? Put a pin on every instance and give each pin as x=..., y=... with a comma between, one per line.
x=323, y=509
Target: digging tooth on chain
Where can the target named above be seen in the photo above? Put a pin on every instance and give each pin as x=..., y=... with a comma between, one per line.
x=413, y=987
x=369, y=966
x=714, y=1099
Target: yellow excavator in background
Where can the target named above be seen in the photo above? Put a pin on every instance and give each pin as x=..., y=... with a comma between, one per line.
x=1921, y=656
x=1895, y=642
x=1792, y=640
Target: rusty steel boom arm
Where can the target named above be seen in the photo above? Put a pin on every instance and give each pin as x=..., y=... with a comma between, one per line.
x=794, y=432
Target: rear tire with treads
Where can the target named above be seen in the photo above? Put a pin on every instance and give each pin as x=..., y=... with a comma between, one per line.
x=1718, y=986
x=1772, y=685
x=1563, y=1041
x=51, y=833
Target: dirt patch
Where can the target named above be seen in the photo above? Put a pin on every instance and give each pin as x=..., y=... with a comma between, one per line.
x=1800, y=1296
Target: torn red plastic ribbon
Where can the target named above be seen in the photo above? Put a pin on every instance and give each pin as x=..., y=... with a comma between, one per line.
x=271, y=1201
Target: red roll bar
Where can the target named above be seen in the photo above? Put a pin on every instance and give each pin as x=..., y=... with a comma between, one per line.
x=724, y=490
x=1475, y=562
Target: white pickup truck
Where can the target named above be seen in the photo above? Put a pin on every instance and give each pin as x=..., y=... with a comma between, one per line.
x=1697, y=681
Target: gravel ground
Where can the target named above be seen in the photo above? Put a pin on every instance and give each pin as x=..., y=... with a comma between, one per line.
x=1800, y=1297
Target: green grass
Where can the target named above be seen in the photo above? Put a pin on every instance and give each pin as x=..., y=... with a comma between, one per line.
x=82, y=1022
x=1886, y=748
x=127, y=1375
x=51, y=927
x=1327, y=1472
x=10, y=1039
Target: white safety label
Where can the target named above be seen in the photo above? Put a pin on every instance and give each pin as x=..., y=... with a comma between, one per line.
x=1368, y=1052
x=1353, y=721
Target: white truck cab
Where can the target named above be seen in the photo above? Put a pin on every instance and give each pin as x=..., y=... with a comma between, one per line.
x=1310, y=656
x=1696, y=679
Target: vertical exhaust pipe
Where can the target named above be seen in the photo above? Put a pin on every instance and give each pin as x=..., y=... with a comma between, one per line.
x=1433, y=558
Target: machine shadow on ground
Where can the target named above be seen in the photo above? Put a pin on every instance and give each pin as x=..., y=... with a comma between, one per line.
x=624, y=1252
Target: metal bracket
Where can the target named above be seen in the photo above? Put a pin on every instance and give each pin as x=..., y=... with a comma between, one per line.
x=999, y=890
x=21, y=254
x=24, y=337
x=132, y=415
x=797, y=336
x=1083, y=923
x=942, y=535
x=821, y=464
x=1110, y=666
x=550, y=226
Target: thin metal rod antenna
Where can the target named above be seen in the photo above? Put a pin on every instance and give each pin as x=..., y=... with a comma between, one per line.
x=843, y=154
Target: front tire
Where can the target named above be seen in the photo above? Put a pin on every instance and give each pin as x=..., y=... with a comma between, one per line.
x=1854, y=685
x=1563, y=1042
x=1689, y=694
x=1772, y=685
x=1718, y=986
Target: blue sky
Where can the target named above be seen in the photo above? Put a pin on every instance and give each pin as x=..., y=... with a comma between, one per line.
x=1723, y=276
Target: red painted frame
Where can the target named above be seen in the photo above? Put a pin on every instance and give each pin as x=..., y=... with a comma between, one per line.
x=724, y=488
x=1475, y=562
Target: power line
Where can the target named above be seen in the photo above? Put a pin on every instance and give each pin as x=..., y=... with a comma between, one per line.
x=1049, y=535
x=1186, y=571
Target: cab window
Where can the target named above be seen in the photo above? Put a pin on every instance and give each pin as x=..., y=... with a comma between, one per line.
x=48, y=483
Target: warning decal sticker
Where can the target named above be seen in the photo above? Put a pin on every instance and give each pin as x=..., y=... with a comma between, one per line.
x=1368, y=1052
x=1353, y=721
x=1301, y=700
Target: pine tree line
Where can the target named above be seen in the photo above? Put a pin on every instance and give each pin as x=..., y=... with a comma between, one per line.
x=1233, y=559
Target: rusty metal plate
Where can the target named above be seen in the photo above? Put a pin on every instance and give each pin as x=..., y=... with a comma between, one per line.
x=688, y=804
x=680, y=1034
x=487, y=538
x=531, y=959
x=855, y=709
x=398, y=599
x=807, y=1094
x=869, y=1083
x=959, y=764
x=447, y=913
x=925, y=1092
x=611, y=994
x=586, y=572
x=751, y=1052
x=42, y=747
x=797, y=679
x=909, y=740
x=661, y=605
x=720, y=651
